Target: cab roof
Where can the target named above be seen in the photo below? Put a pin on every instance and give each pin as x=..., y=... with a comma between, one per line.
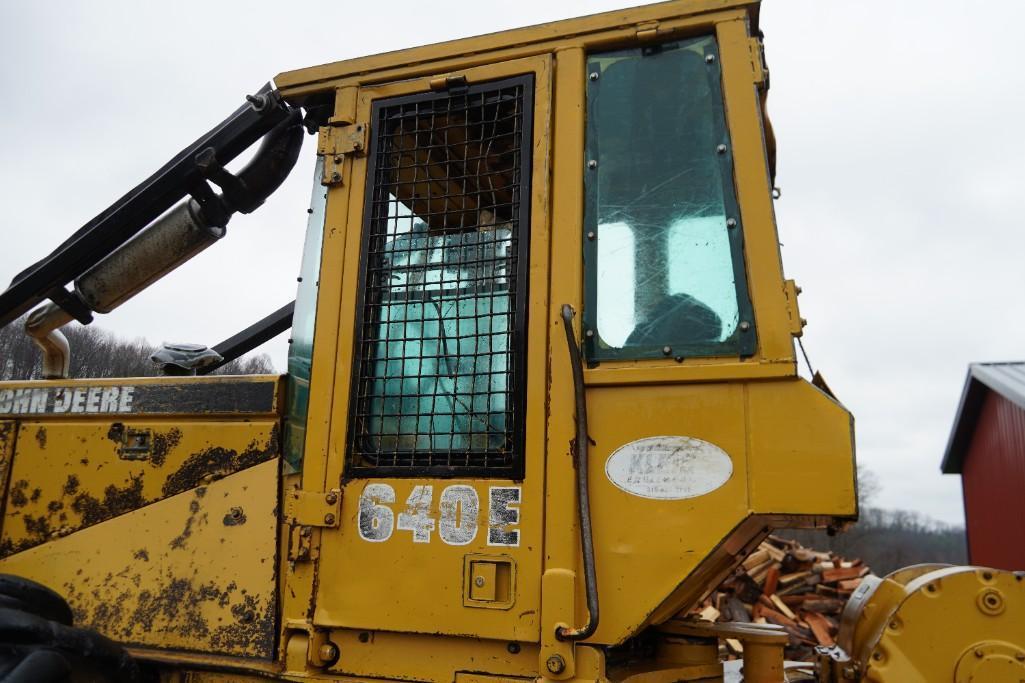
x=303, y=82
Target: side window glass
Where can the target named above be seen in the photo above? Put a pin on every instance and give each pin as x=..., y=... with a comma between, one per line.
x=663, y=249
x=300, y=351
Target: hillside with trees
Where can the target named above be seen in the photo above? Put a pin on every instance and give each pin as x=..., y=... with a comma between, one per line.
x=98, y=353
x=889, y=539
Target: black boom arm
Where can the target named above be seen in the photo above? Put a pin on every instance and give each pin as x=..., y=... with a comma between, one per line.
x=264, y=115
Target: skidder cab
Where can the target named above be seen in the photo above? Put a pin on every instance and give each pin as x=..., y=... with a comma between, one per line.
x=542, y=392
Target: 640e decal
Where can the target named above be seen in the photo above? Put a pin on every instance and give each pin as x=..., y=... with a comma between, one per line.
x=458, y=514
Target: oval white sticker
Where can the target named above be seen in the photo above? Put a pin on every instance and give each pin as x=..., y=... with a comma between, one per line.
x=669, y=467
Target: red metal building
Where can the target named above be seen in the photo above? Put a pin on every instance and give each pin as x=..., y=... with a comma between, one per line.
x=987, y=448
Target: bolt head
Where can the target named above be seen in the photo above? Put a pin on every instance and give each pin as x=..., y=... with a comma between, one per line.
x=479, y=581
x=709, y=59
x=593, y=75
x=721, y=149
x=331, y=498
x=745, y=326
x=593, y=163
x=328, y=653
x=591, y=235
x=667, y=350
x=556, y=664
x=329, y=518
x=731, y=222
x=513, y=648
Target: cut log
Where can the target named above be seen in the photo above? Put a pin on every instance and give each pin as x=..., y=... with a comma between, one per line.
x=849, y=584
x=782, y=606
x=832, y=575
x=787, y=579
x=754, y=559
x=709, y=613
x=735, y=610
x=771, y=581
x=781, y=582
x=820, y=627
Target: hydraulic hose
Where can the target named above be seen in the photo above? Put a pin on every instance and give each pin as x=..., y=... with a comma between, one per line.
x=583, y=494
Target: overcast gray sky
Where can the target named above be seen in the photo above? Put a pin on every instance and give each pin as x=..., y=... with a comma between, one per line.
x=901, y=162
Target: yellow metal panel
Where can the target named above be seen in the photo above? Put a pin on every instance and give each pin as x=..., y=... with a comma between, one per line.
x=298, y=578
x=667, y=538
x=802, y=451
x=8, y=436
x=399, y=585
x=690, y=370
x=754, y=193
x=187, y=572
x=958, y=624
x=611, y=37
x=481, y=678
x=562, y=555
x=69, y=475
x=428, y=657
x=532, y=36
x=792, y=464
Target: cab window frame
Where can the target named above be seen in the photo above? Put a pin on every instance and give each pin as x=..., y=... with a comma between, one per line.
x=742, y=342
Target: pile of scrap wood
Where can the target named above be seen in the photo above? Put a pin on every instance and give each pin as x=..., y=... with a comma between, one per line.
x=784, y=583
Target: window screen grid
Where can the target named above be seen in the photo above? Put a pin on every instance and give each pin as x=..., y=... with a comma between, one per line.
x=437, y=363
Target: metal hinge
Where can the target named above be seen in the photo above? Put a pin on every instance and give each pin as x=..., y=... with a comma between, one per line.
x=797, y=323
x=759, y=70
x=647, y=31
x=334, y=143
x=452, y=84
x=308, y=508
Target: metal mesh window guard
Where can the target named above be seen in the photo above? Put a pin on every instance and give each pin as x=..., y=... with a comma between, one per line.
x=438, y=384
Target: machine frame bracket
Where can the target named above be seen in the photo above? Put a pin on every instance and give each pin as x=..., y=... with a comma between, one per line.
x=313, y=509
x=335, y=142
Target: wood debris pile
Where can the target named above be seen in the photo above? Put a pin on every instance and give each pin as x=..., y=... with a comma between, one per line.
x=786, y=584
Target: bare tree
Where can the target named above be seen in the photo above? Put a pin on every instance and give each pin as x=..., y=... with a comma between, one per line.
x=98, y=353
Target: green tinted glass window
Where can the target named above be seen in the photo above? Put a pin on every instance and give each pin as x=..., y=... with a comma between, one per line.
x=663, y=243
x=300, y=351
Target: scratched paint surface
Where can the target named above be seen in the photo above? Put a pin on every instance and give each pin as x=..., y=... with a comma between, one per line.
x=8, y=432
x=68, y=476
x=184, y=573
